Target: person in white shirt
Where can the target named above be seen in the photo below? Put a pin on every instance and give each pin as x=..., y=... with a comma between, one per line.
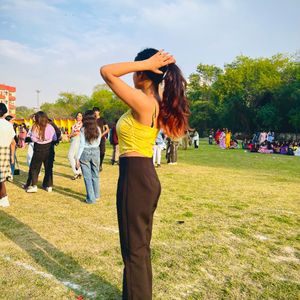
x=74, y=147
x=7, y=153
x=196, y=139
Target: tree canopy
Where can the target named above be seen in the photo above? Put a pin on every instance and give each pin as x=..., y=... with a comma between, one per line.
x=68, y=104
x=247, y=95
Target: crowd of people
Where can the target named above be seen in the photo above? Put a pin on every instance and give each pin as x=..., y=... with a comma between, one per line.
x=261, y=142
x=154, y=121
x=137, y=138
x=223, y=138
x=264, y=142
x=44, y=135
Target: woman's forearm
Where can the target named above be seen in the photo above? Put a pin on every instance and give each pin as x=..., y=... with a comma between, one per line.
x=120, y=69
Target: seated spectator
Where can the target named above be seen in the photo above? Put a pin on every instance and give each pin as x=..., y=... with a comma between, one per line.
x=295, y=146
x=234, y=144
x=297, y=152
x=265, y=148
x=290, y=149
x=284, y=148
x=253, y=147
x=276, y=148
x=245, y=144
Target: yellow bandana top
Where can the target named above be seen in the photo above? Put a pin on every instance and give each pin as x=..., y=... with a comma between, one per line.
x=134, y=136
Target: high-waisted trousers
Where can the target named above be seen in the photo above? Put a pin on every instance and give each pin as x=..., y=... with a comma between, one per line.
x=137, y=196
x=42, y=154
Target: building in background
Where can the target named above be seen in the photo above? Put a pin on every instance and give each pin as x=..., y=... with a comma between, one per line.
x=8, y=96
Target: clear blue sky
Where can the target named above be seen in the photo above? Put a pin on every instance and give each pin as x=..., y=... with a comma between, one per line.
x=59, y=45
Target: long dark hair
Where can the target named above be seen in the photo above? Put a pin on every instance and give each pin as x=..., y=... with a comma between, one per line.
x=79, y=112
x=91, y=130
x=40, y=123
x=174, y=108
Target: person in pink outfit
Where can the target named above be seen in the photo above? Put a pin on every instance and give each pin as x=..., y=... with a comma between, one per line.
x=222, y=142
x=22, y=136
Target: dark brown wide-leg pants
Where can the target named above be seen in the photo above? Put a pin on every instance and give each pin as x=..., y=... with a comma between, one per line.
x=137, y=197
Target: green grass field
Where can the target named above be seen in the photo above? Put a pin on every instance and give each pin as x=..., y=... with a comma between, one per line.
x=240, y=238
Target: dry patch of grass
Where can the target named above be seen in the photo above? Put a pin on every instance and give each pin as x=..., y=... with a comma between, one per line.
x=227, y=227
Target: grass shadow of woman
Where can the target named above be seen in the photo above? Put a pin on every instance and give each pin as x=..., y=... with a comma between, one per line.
x=62, y=266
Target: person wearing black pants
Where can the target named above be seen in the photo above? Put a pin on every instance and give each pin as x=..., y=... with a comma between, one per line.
x=42, y=154
x=104, y=129
x=44, y=136
x=102, y=152
x=171, y=153
x=136, y=202
x=138, y=185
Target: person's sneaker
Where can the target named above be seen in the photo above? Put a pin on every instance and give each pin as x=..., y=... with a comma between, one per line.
x=48, y=189
x=10, y=178
x=89, y=202
x=158, y=166
x=100, y=169
x=32, y=189
x=24, y=186
x=4, y=202
x=77, y=176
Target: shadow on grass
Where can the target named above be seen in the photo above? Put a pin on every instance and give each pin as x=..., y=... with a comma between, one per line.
x=62, y=175
x=62, y=266
x=69, y=193
x=19, y=180
x=60, y=190
x=54, y=172
x=62, y=164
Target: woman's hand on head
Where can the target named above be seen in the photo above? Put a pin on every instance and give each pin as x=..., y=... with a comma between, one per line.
x=160, y=59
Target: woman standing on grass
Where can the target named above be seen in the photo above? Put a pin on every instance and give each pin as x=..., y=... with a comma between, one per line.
x=74, y=147
x=11, y=120
x=22, y=135
x=157, y=148
x=222, y=137
x=88, y=157
x=43, y=135
x=138, y=185
x=115, y=143
x=227, y=138
x=7, y=153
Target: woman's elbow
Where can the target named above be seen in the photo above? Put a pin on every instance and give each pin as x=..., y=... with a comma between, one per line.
x=104, y=72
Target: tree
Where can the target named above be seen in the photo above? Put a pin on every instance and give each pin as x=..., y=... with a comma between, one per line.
x=66, y=106
x=111, y=107
x=248, y=95
x=201, y=96
x=24, y=112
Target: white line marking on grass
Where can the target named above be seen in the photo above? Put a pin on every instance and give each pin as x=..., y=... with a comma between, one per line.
x=186, y=290
x=109, y=229
x=287, y=259
x=288, y=280
x=68, y=284
x=261, y=237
